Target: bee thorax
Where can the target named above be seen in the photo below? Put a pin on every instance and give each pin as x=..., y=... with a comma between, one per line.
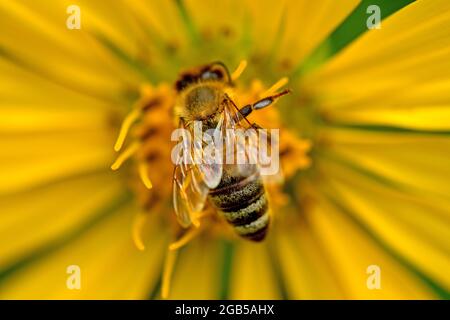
x=202, y=101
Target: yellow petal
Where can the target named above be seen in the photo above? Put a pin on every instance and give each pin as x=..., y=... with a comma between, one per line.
x=111, y=267
x=252, y=274
x=417, y=231
x=414, y=160
x=308, y=23
x=306, y=271
x=30, y=160
x=399, y=74
x=230, y=20
x=418, y=117
x=34, y=218
x=69, y=57
x=351, y=252
x=197, y=273
x=15, y=81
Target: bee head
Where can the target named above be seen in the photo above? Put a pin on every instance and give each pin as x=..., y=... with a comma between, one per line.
x=216, y=71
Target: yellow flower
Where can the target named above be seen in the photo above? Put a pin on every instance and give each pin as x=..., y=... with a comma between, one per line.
x=364, y=146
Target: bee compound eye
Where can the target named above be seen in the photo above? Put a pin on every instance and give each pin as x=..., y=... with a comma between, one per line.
x=185, y=81
x=212, y=75
x=180, y=85
x=217, y=73
x=207, y=75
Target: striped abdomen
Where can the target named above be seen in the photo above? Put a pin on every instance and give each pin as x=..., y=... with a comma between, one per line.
x=242, y=201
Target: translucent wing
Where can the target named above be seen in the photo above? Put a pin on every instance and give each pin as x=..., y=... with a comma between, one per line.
x=209, y=154
x=189, y=193
x=195, y=173
x=254, y=148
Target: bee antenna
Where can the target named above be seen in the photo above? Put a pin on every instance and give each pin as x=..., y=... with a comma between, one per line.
x=220, y=63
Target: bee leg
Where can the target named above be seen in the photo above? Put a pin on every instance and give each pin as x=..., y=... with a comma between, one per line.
x=263, y=103
x=258, y=127
x=263, y=132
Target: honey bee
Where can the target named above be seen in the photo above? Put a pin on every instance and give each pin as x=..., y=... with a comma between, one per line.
x=236, y=191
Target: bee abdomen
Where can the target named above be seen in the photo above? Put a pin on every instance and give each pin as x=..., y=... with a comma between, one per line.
x=244, y=205
x=243, y=215
x=255, y=230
